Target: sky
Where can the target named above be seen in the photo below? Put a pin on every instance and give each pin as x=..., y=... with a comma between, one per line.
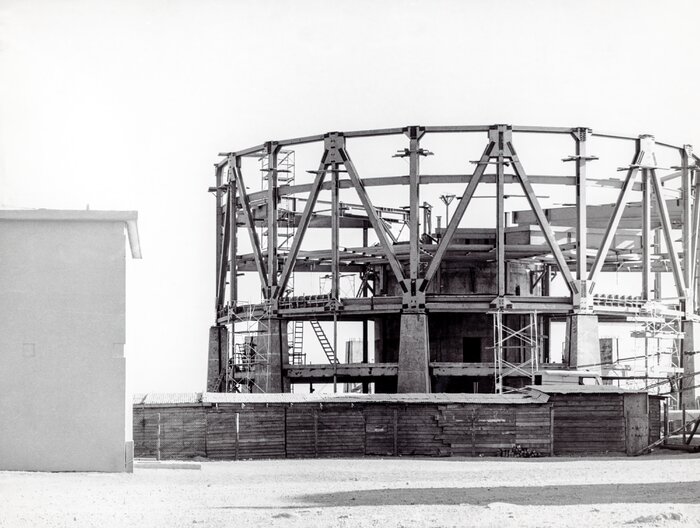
x=126, y=104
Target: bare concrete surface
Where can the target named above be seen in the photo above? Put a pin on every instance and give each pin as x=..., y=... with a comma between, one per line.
x=658, y=490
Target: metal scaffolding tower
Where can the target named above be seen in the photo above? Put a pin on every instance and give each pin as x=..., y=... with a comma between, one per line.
x=249, y=352
x=521, y=346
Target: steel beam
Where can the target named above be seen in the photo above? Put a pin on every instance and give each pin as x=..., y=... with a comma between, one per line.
x=374, y=219
x=668, y=235
x=457, y=215
x=619, y=209
x=542, y=219
x=250, y=224
x=303, y=226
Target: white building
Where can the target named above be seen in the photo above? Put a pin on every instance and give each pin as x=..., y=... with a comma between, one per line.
x=62, y=335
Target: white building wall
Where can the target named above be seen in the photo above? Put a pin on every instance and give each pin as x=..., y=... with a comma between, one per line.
x=62, y=334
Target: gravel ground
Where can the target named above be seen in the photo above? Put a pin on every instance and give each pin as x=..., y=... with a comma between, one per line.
x=657, y=490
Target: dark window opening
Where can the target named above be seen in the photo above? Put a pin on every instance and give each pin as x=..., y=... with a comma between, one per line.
x=471, y=349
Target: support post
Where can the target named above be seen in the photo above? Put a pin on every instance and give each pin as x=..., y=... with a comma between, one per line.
x=275, y=349
x=335, y=235
x=414, y=134
x=581, y=203
x=219, y=232
x=582, y=301
x=218, y=357
x=687, y=228
x=582, y=346
x=646, y=236
x=272, y=149
x=365, y=323
x=691, y=364
x=658, y=293
x=233, y=243
x=500, y=218
x=414, y=358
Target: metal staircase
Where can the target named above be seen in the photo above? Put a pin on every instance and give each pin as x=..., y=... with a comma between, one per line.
x=323, y=340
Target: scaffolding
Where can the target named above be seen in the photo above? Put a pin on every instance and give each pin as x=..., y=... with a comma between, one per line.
x=516, y=351
x=663, y=338
x=250, y=345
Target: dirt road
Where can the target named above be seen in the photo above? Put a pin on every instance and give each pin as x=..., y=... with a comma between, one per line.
x=658, y=490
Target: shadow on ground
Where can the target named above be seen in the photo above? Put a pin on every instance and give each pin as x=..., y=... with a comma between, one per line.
x=675, y=492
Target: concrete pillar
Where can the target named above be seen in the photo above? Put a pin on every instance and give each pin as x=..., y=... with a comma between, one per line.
x=413, y=353
x=269, y=375
x=218, y=348
x=691, y=364
x=582, y=346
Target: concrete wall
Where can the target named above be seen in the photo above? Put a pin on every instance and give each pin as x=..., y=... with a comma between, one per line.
x=62, y=334
x=478, y=278
x=452, y=335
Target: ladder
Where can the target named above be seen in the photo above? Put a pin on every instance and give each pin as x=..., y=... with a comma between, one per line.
x=297, y=356
x=323, y=340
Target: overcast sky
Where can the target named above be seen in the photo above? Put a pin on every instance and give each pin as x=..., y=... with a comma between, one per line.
x=125, y=105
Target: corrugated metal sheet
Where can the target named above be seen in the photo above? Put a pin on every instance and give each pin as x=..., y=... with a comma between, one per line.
x=218, y=397
x=167, y=398
x=215, y=397
x=571, y=388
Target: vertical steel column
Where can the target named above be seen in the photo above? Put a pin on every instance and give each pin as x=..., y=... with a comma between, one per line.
x=233, y=243
x=500, y=217
x=219, y=234
x=646, y=235
x=335, y=234
x=414, y=134
x=687, y=233
x=365, y=323
x=695, y=283
x=272, y=150
x=657, y=274
x=581, y=203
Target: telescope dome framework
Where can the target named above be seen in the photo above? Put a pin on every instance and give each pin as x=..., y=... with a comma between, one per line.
x=455, y=269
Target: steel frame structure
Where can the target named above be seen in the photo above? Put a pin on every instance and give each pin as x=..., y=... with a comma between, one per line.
x=416, y=264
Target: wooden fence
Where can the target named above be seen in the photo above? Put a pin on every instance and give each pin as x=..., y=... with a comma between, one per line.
x=234, y=427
